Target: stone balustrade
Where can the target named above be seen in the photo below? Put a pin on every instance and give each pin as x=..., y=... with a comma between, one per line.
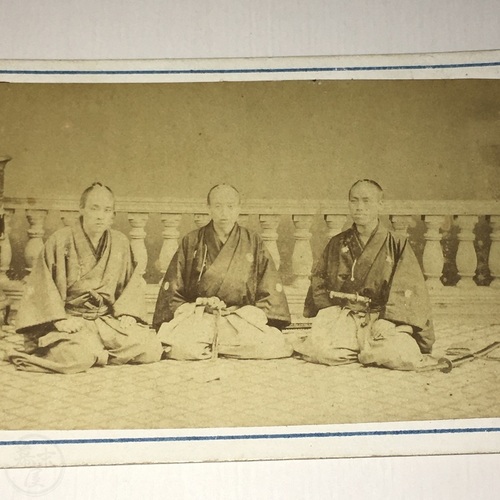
x=295, y=232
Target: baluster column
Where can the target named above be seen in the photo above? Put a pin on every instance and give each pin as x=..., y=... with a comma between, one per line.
x=69, y=217
x=302, y=258
x=494, y=257
x=466, y=254
x=243, y=220
x=36, y=231
x=5, y=246
x=433, y=259
x=138, y=221
x=401, y=223
x=170, y=236
x=5, y=215
x=201, y=220
x=335, y=224
x=269, y=225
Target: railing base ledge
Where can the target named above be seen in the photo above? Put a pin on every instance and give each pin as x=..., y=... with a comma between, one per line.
x=447, y=301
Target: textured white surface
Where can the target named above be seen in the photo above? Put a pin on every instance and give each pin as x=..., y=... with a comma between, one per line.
x=92, y=29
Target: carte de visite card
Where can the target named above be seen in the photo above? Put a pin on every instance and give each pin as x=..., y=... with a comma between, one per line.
x=290, y=136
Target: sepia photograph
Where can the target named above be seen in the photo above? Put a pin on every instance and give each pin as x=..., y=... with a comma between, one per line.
x=249, y=254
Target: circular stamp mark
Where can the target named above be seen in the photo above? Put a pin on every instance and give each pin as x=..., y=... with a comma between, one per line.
x=37, y=466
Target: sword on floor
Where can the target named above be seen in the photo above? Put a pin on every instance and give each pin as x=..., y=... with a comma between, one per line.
x=445, y=365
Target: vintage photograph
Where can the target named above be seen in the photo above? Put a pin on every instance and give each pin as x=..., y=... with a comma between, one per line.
x=249, y=254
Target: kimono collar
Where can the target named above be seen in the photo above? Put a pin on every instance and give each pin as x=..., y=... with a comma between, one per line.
x=361, y=258
x=101, y=246
x=372, y=234
x=218, y=261
x=217, y=237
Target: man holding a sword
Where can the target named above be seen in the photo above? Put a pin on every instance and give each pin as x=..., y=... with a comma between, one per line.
x=222, y=294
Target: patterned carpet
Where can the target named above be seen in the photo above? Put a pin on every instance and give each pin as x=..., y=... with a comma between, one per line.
x=226, y=393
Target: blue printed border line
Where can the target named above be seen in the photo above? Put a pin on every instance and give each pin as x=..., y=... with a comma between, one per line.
x=236, y=437
x=248, y=70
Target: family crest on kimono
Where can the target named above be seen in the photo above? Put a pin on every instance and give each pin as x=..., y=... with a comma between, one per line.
x=367, y=295
x=84, y=303
x=222, y=294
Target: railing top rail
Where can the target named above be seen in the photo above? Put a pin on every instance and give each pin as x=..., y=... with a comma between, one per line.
x=264, y=206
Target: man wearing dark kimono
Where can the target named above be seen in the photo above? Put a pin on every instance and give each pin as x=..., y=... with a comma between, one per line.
x=395, y=329
x=221, y=294
x=84, y=303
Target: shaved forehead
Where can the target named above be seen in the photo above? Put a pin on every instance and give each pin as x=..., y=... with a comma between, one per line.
x=95, y=186
x=370, y=184
x=225, y=189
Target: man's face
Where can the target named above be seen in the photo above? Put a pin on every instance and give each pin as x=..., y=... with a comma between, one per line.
x=365, y=203
x=224, y=208
x=99, y=211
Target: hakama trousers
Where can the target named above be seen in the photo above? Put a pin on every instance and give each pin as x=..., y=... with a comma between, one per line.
x=340, y=336
x=194, y=334
x=99, y=342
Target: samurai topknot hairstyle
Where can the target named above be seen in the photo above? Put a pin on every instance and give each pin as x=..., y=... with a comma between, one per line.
x=223, y=185
x=85, y=194
x=368, y=181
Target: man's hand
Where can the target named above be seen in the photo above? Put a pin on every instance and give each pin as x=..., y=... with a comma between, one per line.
x=127, y=321
x=211, y=304
x=356, y=306
x=71, y=325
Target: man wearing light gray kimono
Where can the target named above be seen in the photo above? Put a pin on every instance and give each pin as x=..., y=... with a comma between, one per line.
x=84, y=302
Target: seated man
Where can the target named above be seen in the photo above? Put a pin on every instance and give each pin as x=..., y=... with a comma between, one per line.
x=221, y=293
x=84, y=304
x=368, y=294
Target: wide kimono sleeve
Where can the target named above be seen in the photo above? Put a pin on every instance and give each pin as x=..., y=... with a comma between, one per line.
x=270, y=295
x=44, y=295
x=172, y=292
x=130, y=287
x=408, y=300
x=318, y=294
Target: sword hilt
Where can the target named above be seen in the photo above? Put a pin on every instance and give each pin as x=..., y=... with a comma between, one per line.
x=353, y=297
